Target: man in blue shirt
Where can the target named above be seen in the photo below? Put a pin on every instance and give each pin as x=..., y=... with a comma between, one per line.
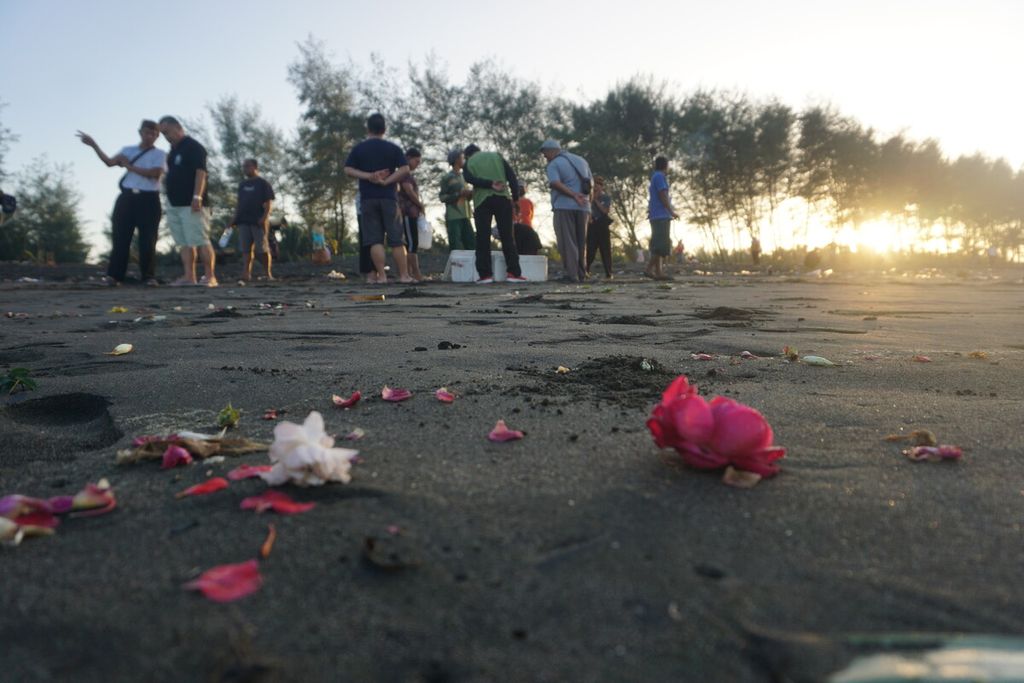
x=380, y=165
x=660, y=212
x=570, y=181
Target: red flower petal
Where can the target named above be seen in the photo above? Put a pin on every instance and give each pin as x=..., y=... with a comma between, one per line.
x=174, y=456
x=209, y=486
x=934, y=453
x=228, y=582
x=680, y=386
x=248, y=471
x=38, y=519
x=270, y=414
x=692, y=419
x=502, y=433
x=921, y=359
x=395, y=395
x=739, y=429
x=444, y=396
x=347, y=402
x=279, y=502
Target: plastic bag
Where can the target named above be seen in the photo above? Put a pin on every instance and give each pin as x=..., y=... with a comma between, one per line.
x=426, y=232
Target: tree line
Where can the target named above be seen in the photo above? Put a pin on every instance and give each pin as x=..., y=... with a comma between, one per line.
x=736, y=160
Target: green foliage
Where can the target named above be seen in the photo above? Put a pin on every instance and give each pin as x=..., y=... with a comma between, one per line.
x=47, y=222
x=228, y=417
x=17, y=379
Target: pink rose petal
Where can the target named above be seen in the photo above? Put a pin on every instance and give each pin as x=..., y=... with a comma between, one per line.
x=174, y=456
x=279, y=502
x=228, y=582
x=207, y=487
x=934, y=453
x=347, y=402
x=248, y=471
x=748, y=355
x=395, y=395
x=444, y=396
x=921, y=359
x=701, y=356
x=502, y=433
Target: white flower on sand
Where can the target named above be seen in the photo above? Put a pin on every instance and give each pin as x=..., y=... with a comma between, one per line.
x=303, y=455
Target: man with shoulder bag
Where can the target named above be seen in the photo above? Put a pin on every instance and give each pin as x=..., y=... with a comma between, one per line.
x=138, y=205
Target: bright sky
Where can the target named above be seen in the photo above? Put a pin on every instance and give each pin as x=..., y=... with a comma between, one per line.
x=948, y=69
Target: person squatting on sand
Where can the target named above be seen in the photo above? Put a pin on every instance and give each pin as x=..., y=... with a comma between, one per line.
x=570, y=181
x=380, y=165
x=527, y=240
x=187, y=215
x=495, y=187
x=660, y=212
x=138, y=205
x=412, y=208
x=455, y=195
x=252, y=218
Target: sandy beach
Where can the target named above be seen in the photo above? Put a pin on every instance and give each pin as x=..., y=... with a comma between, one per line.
x=581, y=552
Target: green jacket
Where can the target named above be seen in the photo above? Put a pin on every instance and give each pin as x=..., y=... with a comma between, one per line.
x=456, y=206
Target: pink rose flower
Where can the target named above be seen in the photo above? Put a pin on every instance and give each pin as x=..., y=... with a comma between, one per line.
x=713, y=435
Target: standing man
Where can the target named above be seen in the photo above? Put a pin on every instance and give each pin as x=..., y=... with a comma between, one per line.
x=660, y=212
x=495, y=187
x=455, y=194
x=380, y=165
x=252, y=218
x=187, y=216
x=570, y=181
x=412, y=208
x=138, y=205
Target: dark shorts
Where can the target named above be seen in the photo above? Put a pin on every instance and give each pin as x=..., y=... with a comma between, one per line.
x=381, y=222
x=661, y=237
x=254, y=237
x=412, y=234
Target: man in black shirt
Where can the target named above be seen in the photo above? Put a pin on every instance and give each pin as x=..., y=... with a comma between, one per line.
x=252, y=218
x=187, y=217
x=380, y=165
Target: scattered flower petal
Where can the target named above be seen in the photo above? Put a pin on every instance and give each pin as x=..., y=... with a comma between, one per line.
x=209, y=486
x=121, y=349
x=740, y=478
x=748, y=355
x=355, y=435
x=502, y=433
x=279, y=502
x=701, y=356
x=818, y=361
x=934, y=453
x=10, y=533
x=395, y=395
x=16, y=505
x=562, y=370
x=228, y=582
x=270, y=414
x=118, y=309
x=980, y=355
x=92, y=501
x=174, y=456
x=268, y=544
x=248, y=471
x=444, y=396
x=921, y=359
x=304, y=455
x=394, y=529
x=347, y=402
x=790, y=353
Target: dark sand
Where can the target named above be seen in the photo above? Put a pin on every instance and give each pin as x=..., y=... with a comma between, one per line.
x=581, y=553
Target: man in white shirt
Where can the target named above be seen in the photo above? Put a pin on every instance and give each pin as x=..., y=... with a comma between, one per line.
x=138, y=205
x=570, y=181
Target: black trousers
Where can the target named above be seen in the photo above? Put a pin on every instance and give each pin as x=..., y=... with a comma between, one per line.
x=527, y=241
x=133, y=211
x=499, y=209
x=599, y=237
x=365, y=262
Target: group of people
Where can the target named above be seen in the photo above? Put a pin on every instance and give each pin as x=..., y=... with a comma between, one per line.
x=389, y=207
x=184, y=173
